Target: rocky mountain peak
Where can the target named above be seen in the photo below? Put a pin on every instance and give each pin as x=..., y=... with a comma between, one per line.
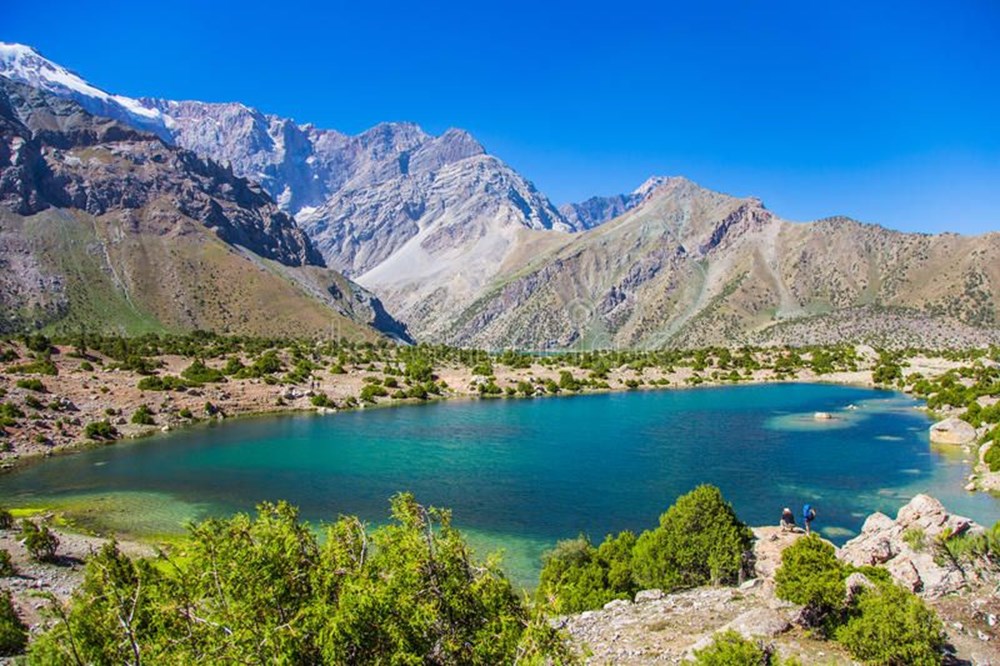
x=24, y=64
x=130, y=170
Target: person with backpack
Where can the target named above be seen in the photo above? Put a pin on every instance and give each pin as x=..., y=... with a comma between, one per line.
x=808, y=515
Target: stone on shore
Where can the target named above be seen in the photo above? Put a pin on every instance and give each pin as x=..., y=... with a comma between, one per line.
x=953, y=431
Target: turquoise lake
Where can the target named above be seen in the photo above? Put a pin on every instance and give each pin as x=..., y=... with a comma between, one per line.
x=521, y=474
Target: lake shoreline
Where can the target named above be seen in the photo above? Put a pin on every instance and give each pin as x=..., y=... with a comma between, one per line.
x=113, y=394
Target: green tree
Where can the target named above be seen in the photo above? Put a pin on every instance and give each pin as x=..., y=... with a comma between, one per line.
x=892, y=627
x=40, y=542
x=811, y=575
x=700, y=540
x=143, y=416
x=576, y=576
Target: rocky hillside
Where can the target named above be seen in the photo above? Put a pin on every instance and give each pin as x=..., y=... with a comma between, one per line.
x=691, y=266
x=466, y=251
x=107, y=227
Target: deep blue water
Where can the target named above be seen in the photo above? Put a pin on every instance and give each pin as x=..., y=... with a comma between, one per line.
x=521, y=474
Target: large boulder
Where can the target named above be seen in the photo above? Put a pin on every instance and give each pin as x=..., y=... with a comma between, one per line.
x=906, y=546
x=953, y=431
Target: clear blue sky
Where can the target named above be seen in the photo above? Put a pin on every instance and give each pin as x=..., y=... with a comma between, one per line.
x=885, y=111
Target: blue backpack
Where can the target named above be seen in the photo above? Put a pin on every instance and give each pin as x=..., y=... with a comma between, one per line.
x=807, y=513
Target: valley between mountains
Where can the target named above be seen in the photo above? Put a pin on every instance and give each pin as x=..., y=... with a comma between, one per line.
x=123, y=214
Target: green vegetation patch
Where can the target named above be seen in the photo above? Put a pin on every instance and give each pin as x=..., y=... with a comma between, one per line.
x=264, y=590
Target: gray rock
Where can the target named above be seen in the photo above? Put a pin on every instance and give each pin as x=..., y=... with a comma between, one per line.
x=856, y=583
x=952, y=431
x=648, y=595
x=881, y=542
x=760, y=622
x=617, y=603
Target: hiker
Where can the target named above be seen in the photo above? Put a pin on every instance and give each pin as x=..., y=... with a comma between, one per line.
x=808, y=515
x=787, y=520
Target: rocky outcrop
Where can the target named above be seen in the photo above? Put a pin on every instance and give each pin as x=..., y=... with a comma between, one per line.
x=668, y=628
x=907, y=546
x=75, y=160
x=103, y=226
x=952, y=431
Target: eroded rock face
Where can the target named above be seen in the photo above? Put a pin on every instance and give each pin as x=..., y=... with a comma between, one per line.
x=953, y=431
x=63, y=157
x=906, y=546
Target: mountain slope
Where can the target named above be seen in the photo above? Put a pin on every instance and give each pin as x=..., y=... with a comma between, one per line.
x=423, y=220
x=691, y=266
x=466, y=251
x=107, y=227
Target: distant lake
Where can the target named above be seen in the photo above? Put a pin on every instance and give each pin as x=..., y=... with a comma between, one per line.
x=521, y=474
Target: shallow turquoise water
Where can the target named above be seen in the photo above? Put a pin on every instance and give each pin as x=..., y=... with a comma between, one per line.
x=521, y=474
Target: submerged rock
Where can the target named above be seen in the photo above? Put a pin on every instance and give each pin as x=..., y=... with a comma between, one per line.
x=953, y=431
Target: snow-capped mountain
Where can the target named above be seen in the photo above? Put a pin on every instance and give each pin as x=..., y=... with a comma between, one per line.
x=24, y=64
x=362, y=199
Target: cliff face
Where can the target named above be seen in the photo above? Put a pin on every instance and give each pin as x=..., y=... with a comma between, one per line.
x=113, y=227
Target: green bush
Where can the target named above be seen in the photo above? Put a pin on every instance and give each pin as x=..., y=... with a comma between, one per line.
x=483, y=369
x=37, y=342
x=100, y=430
x=143, y=416
x=915, y=538
x=31, y=385
x=700, y=540
x=267, y=364
x=490, y=388
x=966, y=549
x=6, y=564
x=729, y=648
x=264, y=590
x=164, y=383
x=889, y=625
x=418, y=391
x=322, y=400
x=200, y=373
x=992, y=455
x=233, y=366
x=42, y=366
x=576, y=576
x=40, y=542
x=86, y=366
x=9, y=413
x=13, y=631
x=811, y=575
x=6, y=519
x=371, y=391
x=568, y=382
